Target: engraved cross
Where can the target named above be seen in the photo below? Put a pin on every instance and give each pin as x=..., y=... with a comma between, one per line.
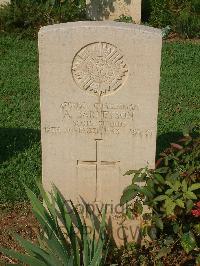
x=97, y=163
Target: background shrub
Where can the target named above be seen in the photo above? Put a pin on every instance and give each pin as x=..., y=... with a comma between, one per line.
x=27, y=16
x=182, y=15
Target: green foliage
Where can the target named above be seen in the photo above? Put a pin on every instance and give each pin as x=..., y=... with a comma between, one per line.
x=160, y=14
x=126, y=19
x=27, y=16
x=171, y=192
x=183, y=16
x=65, y=239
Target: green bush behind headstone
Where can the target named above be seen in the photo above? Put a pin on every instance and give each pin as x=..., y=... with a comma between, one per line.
x=27, y=16
x=183, y=16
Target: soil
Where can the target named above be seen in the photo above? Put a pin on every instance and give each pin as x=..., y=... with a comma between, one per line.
x=18, y=219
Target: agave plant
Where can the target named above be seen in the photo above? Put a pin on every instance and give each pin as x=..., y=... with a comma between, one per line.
x=65, y=240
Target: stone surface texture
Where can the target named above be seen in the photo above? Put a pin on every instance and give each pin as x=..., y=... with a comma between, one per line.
x=99, y=100
x=113, y=9
x=4, y=2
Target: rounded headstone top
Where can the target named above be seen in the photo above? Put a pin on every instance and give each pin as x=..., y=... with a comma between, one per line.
x=102, y=24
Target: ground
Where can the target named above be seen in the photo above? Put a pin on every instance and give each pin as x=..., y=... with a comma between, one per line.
x=16, y=219
x=19, y=219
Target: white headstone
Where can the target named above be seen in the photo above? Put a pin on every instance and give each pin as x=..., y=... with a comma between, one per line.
x=4, y=2
x=99, y=101
x=113, y=9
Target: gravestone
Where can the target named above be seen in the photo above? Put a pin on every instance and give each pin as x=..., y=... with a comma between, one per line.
x=4, y=2
x=113, y=9
x=99, y=100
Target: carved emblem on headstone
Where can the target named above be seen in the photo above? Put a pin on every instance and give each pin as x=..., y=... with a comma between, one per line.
x=99, y=68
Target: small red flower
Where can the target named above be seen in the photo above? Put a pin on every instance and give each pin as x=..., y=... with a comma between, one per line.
x=196, y=213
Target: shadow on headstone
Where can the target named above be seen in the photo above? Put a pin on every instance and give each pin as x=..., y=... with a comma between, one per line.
x=92, y=218
x=101, y=9
x=15, y=140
